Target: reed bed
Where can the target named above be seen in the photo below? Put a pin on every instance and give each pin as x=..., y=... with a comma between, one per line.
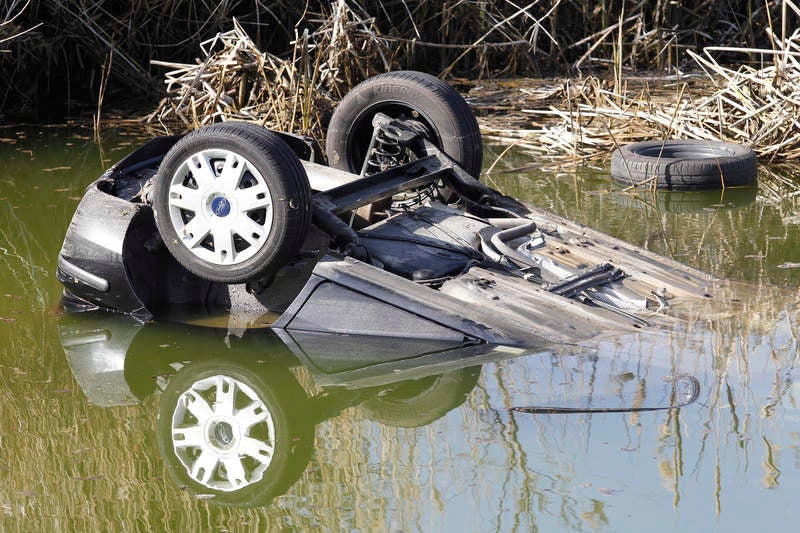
x=235, y=80
x=577, y=120
x=748, y=105
x=754, y=102
x=61, y=61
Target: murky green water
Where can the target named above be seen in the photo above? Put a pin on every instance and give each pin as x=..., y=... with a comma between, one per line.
x=87, y=401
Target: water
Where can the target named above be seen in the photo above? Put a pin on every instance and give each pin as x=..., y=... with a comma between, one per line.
x=87, y=400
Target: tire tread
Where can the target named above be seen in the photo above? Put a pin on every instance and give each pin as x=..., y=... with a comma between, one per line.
x=466, y=147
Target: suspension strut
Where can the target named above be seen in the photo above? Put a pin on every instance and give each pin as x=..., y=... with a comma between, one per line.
x=388, y=146
x=384, y=152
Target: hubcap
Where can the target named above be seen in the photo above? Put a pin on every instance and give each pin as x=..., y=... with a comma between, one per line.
x=223, y=433
x=220, y=206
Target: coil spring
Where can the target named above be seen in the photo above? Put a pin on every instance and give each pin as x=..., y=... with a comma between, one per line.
x=385, y=152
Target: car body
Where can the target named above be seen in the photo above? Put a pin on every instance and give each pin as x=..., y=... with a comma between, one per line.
x=485, y=269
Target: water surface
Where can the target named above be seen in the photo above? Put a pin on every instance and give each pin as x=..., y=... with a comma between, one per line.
x=85, y=398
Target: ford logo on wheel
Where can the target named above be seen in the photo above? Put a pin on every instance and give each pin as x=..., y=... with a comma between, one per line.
x=220, y=206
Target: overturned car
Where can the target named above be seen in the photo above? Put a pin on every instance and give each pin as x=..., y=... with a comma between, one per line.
x=393, y=237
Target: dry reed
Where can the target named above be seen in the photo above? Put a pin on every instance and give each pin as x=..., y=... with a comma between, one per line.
x=748, y=105
x=62, y=60
x=9, y=29
x=237, y=81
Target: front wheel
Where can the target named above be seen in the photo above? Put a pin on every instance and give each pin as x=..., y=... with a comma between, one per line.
x=232, y=202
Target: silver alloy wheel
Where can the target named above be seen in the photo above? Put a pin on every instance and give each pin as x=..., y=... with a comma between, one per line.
x=220, y=206
x=223, y=433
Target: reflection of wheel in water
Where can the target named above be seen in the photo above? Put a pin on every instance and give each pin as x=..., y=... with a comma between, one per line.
x=223, y=433
x=234, y=433
x=420, y=402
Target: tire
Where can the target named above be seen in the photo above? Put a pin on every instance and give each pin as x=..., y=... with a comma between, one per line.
x=204, y=455
x=421, y=402
x=684, y=164
x=404, y=94
x=204, y=222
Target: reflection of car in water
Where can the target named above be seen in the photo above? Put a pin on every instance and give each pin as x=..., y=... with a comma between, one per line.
x=237, y=412
x=234, y=419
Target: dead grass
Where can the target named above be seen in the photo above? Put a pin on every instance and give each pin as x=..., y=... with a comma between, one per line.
x=10, y=29
x=60, y=60
x=234, y=80
x=753, y=105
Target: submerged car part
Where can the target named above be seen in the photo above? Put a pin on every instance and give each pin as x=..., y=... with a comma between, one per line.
x=683, y=390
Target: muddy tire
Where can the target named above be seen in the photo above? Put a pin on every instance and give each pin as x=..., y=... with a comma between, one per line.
x=404, y=94
x=684, y=164
x=232, y=202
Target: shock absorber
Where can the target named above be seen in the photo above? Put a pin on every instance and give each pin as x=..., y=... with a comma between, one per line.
x=383, y=152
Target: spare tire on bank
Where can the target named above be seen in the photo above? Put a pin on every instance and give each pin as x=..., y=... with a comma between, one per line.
x=684, y=164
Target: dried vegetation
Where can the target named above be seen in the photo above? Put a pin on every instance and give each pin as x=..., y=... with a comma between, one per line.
x=285, y=65
x=62, y=61
x=755, y=103
x=234, y=80
x=9, y=28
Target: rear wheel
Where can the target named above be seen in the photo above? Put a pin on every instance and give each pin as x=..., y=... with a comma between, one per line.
x=232, y=202
x=440, y=110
